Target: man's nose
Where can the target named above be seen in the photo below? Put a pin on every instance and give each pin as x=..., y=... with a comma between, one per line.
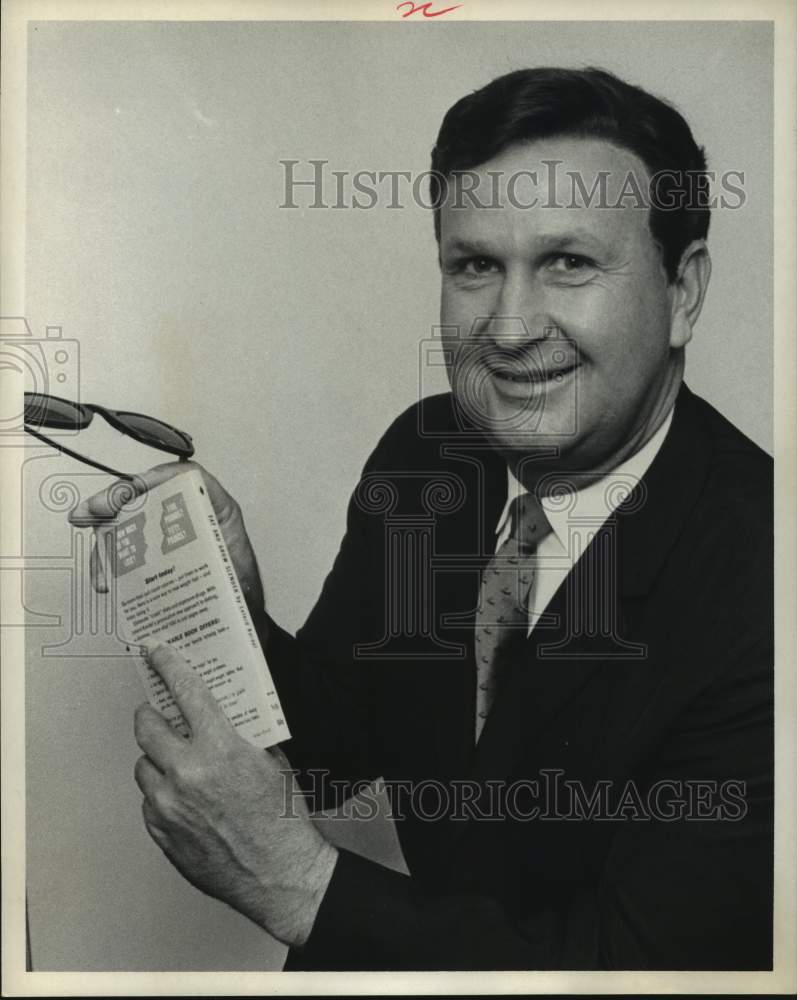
x=518, y=313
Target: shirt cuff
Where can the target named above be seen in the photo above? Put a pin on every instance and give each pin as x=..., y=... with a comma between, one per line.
x=356, y=924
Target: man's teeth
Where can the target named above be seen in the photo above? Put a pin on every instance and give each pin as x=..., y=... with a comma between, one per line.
x=537, y=376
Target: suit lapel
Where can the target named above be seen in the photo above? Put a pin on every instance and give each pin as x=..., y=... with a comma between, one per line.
x=546, y=671
x=653, y=517
x=463, y=541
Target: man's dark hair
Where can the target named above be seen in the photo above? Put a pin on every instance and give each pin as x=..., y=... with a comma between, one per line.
x=590, y=103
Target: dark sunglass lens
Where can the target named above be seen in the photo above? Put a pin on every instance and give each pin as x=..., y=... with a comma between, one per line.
x=158, y=434
x=49, y=411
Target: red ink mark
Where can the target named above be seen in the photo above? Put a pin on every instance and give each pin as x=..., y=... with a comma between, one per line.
x=424, y=8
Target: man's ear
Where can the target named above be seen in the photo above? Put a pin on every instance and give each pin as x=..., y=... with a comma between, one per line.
x=688, y=292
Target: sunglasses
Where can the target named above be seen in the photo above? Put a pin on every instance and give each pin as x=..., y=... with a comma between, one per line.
x=42, y=410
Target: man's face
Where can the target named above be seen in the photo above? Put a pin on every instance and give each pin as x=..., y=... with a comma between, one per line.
x=561, y=316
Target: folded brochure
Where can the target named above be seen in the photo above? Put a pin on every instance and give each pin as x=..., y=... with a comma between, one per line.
x=174, y=582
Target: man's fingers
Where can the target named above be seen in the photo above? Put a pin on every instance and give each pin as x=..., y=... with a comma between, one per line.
x=148, y=778
x=162, y=745
x=198, y=706
x=98, y=563
x=103, y=507
x=151, y=819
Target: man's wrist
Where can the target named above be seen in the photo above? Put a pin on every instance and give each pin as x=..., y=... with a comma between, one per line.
x=290, y=910
x=318, y=881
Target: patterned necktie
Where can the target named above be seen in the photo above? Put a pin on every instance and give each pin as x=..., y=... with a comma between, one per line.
x=503, y=611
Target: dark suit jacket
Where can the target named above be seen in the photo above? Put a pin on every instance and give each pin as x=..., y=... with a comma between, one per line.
x=660, y=695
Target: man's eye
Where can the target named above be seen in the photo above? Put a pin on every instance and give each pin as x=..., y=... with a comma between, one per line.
x=570, y=263
x=476, y=266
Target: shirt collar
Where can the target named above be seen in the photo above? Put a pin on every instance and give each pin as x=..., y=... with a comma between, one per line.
x=595, y=501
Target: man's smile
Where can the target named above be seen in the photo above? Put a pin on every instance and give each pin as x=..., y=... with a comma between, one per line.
x=530, y=377
x=532, y=373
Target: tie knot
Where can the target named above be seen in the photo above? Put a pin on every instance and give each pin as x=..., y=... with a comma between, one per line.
x=529, y=522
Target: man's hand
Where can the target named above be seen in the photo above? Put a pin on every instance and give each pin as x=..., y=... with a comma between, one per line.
x=103, y=507
x=229, y=817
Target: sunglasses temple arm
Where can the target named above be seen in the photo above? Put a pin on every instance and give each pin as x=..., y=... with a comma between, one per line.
x=80, y=458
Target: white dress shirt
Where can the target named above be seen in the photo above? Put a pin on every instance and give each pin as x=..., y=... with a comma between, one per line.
x=575, y=518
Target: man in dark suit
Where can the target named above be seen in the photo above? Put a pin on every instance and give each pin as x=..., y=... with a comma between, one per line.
x=549, y=625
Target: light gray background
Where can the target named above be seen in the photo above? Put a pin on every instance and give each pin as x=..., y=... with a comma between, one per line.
x=285, y=342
